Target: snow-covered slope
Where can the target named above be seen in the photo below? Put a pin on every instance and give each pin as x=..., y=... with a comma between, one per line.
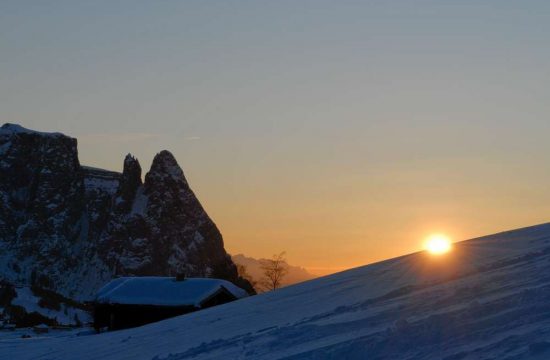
x=488, y=299
x=24, y=306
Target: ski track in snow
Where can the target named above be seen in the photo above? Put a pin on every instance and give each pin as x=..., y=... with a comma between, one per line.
x=487, y=299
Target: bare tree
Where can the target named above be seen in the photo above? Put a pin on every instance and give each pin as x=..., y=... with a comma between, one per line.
x=274, y=270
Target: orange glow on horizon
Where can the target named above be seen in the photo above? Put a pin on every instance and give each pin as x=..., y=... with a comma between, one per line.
x=438, y=244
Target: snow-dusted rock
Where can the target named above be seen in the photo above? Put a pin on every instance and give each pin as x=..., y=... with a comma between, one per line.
x=72, y=228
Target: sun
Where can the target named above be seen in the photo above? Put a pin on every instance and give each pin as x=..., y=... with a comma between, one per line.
x=438, y=244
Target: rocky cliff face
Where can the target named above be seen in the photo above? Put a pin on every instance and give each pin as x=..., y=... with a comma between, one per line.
x=71, y=228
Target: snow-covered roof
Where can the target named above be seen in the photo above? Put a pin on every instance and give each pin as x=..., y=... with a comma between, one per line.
x=164, y=291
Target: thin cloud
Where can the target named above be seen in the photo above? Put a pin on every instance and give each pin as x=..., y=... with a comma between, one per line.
x=118, y=137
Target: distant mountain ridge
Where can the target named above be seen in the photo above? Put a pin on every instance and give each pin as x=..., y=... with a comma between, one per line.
x=296, y=274
x=71, y=228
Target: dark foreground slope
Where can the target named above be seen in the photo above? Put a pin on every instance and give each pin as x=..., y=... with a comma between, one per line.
x=71, y=228
x=488, y=299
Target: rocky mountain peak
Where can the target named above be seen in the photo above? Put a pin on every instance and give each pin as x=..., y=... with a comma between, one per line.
x=41, y=205
x=131, y=172
x=169, y=193
x=131, y=162
x=10, y=129
x=164, y=168
x=77, y=227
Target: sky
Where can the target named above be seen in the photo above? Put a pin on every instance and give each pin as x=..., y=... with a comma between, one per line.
x=342, y=132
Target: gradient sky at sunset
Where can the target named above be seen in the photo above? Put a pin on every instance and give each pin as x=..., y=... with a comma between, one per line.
x=343, y=132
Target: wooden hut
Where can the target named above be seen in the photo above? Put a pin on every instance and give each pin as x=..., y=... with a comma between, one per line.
x=134, y=301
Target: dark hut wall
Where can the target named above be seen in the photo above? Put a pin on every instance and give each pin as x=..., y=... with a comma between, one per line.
x=122, y=316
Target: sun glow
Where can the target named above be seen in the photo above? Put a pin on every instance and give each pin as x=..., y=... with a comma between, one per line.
x=438, y=244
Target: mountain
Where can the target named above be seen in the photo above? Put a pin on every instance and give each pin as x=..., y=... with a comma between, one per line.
x=486, y=299
x=71, y=228
x=296, y=274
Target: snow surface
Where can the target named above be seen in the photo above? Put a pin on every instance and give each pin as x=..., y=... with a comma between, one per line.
x=4, y=147
x=140, y=202
x=108, y=185
x=66, y=315
x=164, y=291
x=487, y=299
x=99, y=179
x=18, y=333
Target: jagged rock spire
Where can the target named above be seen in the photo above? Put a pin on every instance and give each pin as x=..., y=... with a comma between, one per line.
x=129, y=183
